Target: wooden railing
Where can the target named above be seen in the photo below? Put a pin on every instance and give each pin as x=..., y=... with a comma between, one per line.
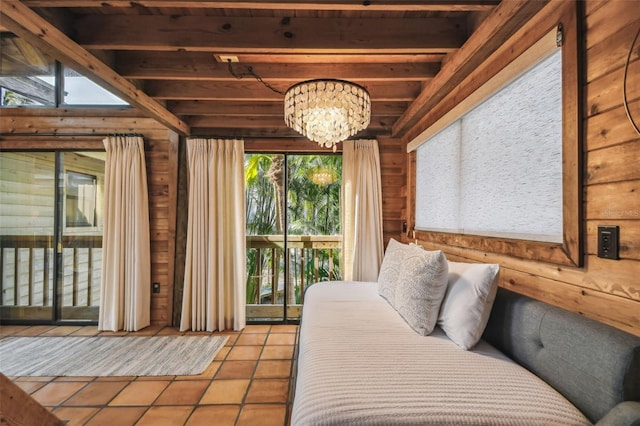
x=311, y=258
x=26, y=270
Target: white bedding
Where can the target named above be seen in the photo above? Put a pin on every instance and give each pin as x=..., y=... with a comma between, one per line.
x=360, y=363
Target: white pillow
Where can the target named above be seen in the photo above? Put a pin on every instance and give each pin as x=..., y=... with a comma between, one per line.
x=420, y=288
x=390, y=269
x=467, y=304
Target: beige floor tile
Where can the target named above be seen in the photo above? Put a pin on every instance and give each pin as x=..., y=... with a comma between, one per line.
x=244, y=353
x=165, y=416
x=61, y=331
x=183, y=392
x=211, y=371
x=263, y=415
x=8, y=330
x=30, y=387
x=35, y=379
x=117, y=416
x=115, y=379
x=281, y=339
x=236, y=370
x=55, y=393
x=232, y=337
x=277, y=352
x=268, y=390
x=257, y=328
x=74, y=379
x=170, y=331
x=75, y=416
x=152, y=330
x=224, y=415
x=251, y=339
x=284, y=328
x=225, y=392
x=34, y=330
x=273, y=369
x=152, y=378
x=113, y=333
x=96, y=393
x=139, y=393
x=86, y=331
x=222, y=353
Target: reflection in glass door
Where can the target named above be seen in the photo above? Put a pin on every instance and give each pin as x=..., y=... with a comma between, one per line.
x=50, y=235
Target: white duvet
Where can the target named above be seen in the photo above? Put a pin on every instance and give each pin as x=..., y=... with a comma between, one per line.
x=359, y=363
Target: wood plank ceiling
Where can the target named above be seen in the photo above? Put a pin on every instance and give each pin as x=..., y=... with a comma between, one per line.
x=167, y=57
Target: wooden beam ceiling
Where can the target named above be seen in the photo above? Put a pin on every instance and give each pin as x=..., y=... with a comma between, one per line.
x=163, y=56
x=353, y=5
x=270, y=35
x=30, y=26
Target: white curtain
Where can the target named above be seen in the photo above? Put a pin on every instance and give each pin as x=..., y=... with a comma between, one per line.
x=362, y=241
x=125, y=293
x=215, y=278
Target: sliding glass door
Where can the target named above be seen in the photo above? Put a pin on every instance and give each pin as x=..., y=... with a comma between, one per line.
x=50, y=235
x=293, y=230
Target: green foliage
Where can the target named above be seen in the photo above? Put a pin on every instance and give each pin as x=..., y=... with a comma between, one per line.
x=313, y=208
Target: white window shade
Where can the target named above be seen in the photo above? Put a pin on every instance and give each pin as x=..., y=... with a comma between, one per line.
x=497, y=170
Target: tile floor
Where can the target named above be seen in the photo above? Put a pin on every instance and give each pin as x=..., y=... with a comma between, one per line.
x=248, y=383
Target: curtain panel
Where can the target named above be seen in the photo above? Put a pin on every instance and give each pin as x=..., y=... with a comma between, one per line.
x=362, y=240
x=215, y=266
x=125, y=299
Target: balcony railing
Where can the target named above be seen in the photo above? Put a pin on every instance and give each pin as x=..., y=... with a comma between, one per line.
x=311, y=258
x=26, y=275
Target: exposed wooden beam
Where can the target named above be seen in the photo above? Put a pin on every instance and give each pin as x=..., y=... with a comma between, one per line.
x=256, y=122
x=503, y=22
x=221, y=34
x=203, y=66
x=356, y=5
x=253, y=108
x=29, y=25
x=280, y=132
x=339, y=58
x=249, y=90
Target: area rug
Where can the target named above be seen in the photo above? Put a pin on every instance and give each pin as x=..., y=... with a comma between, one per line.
x=108, y=356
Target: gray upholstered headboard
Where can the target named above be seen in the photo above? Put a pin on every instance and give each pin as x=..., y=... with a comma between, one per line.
x=593, y=365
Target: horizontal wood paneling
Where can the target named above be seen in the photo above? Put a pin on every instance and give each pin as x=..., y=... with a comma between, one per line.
x=161, y=164
x=393, y=174
x=603, y=289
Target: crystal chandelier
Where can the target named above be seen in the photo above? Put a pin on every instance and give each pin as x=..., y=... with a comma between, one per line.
x=327, y=111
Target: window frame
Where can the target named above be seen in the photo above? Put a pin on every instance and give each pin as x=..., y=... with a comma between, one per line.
x=569, y=251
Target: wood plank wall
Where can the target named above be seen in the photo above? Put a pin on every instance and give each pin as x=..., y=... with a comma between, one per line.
x=393, y=171
x=605, y=290
x=161, y=160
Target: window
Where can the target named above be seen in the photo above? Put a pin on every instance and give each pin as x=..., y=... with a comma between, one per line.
x=476, y=185
x=497, y=170
x=80, y=200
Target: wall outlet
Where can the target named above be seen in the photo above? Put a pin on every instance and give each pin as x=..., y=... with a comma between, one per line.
x=155, y=287
x=608, y=242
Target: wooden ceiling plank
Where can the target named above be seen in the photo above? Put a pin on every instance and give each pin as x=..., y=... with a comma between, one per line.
x=503, y=22
x=203, y=66
x=353, y=5
x=30, y=26
x=338, y=58
x=236, y=132
x=257, y=122
x=270, y=35
x=254, y=91
x=252, y=108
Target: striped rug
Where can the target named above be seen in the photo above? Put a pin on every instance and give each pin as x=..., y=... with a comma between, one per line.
x=108, y=356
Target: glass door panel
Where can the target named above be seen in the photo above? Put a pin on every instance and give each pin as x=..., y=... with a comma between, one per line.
x=313, y=224
x=265, y=189
x=27, y=256
x=82, y=195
